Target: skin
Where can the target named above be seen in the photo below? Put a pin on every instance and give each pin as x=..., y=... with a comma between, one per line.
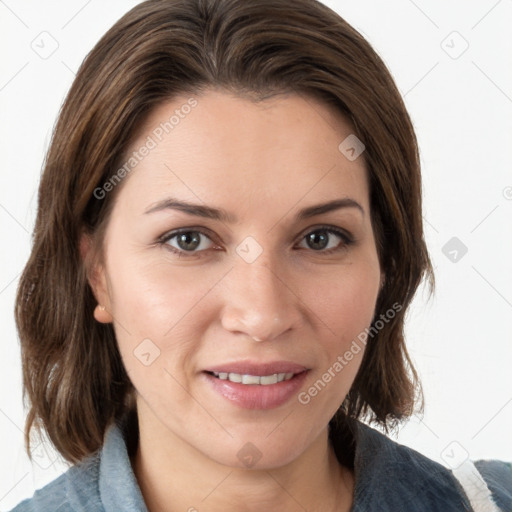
x=262, y=163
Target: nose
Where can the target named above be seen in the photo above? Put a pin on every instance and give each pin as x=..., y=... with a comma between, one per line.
x=259, y=302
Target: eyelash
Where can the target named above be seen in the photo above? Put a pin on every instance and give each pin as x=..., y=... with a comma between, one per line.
x=346, y=241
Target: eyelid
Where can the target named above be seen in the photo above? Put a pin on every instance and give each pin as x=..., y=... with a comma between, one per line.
x=174, y=232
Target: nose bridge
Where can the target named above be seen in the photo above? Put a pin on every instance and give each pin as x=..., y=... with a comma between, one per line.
x=258, y=302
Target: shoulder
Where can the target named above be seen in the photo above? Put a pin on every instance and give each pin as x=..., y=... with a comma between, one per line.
x=76, y=489
x=498, y=477
x=402, y=478
x=50, y=497
x=102, y=482
x=394, y=477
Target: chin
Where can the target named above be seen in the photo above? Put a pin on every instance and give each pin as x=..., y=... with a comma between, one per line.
x=256, y=449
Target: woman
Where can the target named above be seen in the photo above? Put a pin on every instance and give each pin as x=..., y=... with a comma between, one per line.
x=228, y=238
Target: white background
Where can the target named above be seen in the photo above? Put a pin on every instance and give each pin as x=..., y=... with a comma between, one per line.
x=461, y=106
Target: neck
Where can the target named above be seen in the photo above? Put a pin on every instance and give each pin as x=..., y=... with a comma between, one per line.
x=173, y=475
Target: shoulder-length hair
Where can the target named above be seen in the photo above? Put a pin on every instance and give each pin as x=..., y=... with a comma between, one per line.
x=74, y=380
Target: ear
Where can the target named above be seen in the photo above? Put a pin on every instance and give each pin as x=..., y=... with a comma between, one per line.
x=97, y=278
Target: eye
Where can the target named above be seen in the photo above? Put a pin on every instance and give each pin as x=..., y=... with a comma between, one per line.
x=187, y=241
x=325, y=240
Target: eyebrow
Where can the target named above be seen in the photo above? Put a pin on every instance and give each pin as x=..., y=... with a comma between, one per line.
x=209, y=212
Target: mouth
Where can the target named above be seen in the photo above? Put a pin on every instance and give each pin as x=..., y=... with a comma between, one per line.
x=251, y=380
x=257, y=385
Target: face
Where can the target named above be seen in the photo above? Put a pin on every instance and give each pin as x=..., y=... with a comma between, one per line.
x=240, y=244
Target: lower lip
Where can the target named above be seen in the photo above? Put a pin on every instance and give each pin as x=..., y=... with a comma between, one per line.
x=257, y=396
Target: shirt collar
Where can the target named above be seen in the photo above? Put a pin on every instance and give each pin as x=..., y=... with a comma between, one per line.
x=388, y=477
x=394, y=478
x=118, y=486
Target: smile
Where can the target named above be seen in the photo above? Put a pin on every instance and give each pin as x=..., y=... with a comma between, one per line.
x=262, y=380
x=255, y=391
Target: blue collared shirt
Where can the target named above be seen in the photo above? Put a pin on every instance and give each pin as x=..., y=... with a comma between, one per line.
x=389, y=477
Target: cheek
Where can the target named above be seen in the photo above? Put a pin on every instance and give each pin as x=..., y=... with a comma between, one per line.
x=161, y=310
x=155, y=312
x=344, y=301
x=152, y=295
x=344, y=305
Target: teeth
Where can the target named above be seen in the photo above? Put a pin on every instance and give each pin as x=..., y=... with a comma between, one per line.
x=263, y=380
x=235, y=377
x=267, y=379
x=246, y=379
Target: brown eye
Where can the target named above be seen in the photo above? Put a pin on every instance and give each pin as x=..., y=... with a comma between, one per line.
x=189, y=241
x=318, y=240
x=325, y=240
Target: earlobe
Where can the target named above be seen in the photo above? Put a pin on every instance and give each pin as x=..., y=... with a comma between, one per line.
x=101, y=315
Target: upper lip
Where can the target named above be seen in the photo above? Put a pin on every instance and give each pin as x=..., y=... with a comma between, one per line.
x=257, y=368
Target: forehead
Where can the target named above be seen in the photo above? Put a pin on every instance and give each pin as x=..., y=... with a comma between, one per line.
x=238, y=154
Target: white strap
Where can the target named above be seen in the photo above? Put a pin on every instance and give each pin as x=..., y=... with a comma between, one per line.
x=475, y=487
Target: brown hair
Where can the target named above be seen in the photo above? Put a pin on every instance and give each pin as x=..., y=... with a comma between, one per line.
x=73, y=375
